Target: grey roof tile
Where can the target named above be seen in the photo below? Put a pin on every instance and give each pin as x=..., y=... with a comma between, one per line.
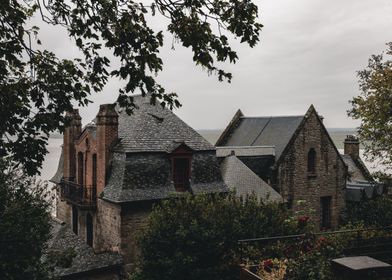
x=354, y=172
x=62, y=239
x=239, y=177
x=59, y=173
x=155, y=129
x=146, y=176
x=357, y=169
x=265, y=131
x=140, y=167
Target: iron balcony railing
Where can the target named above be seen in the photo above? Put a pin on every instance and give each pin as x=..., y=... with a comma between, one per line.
x=82, y=196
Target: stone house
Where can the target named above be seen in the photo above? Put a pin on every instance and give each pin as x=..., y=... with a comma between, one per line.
x=114, y=169
x=295, y=156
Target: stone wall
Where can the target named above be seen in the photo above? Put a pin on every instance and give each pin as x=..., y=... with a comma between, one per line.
x=107, y=227
x=295, y=182
x=133, y=219
x=63, y=210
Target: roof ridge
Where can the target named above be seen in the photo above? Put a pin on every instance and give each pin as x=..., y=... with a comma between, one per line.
x=278, y=116
x=245, y=147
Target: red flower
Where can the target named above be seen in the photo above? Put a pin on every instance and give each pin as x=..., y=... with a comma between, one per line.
x=322, y=239
x=267, y=265
x=303, y=220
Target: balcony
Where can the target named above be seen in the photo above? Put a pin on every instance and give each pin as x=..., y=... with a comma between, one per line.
x=84, y=197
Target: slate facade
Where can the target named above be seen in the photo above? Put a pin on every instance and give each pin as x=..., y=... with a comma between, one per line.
x=112, y=171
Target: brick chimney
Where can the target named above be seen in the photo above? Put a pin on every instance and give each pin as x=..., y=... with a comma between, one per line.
x=351, y=146
x=71, y=133
x=107, y=134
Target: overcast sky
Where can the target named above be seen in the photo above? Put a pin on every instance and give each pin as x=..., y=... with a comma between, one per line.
x=309, y=53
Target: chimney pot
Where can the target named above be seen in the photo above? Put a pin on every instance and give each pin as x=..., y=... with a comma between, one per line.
x=71, y=133
x=107, y=115
x=351, y=146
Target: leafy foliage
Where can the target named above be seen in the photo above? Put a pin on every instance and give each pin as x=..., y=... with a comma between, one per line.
x=24, y=226
x=315, y=262
x=37, y=87
x=371, y=212
x=195, y=237
x=374, y=107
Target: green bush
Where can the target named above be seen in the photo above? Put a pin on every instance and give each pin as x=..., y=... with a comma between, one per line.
x=195, y=237
x=314, y=263
x=370, y=212
x=24, y=225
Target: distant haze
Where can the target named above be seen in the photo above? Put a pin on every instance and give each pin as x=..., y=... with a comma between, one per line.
x=309, y=53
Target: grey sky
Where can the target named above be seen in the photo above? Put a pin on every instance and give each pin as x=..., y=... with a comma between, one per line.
x=309, y=53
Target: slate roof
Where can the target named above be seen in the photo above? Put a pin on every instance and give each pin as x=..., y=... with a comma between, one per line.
x=155, y=129
x=355, y=173
x=143, y=177
x=264, y=131
x=63, y=239
x=358, y=190
x=140, y=167
x=239, y=177
x=59, y=173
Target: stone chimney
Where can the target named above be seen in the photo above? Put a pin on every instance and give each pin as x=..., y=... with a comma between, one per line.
x=107, y=134
x=351, y=146
x=71, y=133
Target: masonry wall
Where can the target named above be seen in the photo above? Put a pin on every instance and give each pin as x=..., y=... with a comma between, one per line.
x=63, y=210
x=133, y=219
x=107, y=227
x=295, y=182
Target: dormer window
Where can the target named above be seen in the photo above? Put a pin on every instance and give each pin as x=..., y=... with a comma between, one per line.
x=181, y=174
x=181, y=159
x=312, y=161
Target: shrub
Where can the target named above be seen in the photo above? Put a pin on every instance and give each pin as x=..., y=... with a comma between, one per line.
x=195, y=237
x=375, y=212
x=24, y=225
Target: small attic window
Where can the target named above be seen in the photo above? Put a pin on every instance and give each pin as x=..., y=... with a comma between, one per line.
x=312, y=161
x=181, y=173
x=181, y=161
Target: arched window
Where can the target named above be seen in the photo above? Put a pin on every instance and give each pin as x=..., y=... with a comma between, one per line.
x=75, y=219
x=80, y=168
x=89, y=229
x=312, y=161
x=94, y=194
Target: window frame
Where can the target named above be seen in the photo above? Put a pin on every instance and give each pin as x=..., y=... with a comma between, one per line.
x=326, y=223
x=312, y=162
x=181, y=152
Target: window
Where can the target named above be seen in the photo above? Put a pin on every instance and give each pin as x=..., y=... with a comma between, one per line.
x=312, y=161
x=80, y=168
x=181, y=173
x=325, y=222
x=94, y=194
x=89, y=229
x=75, y=219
